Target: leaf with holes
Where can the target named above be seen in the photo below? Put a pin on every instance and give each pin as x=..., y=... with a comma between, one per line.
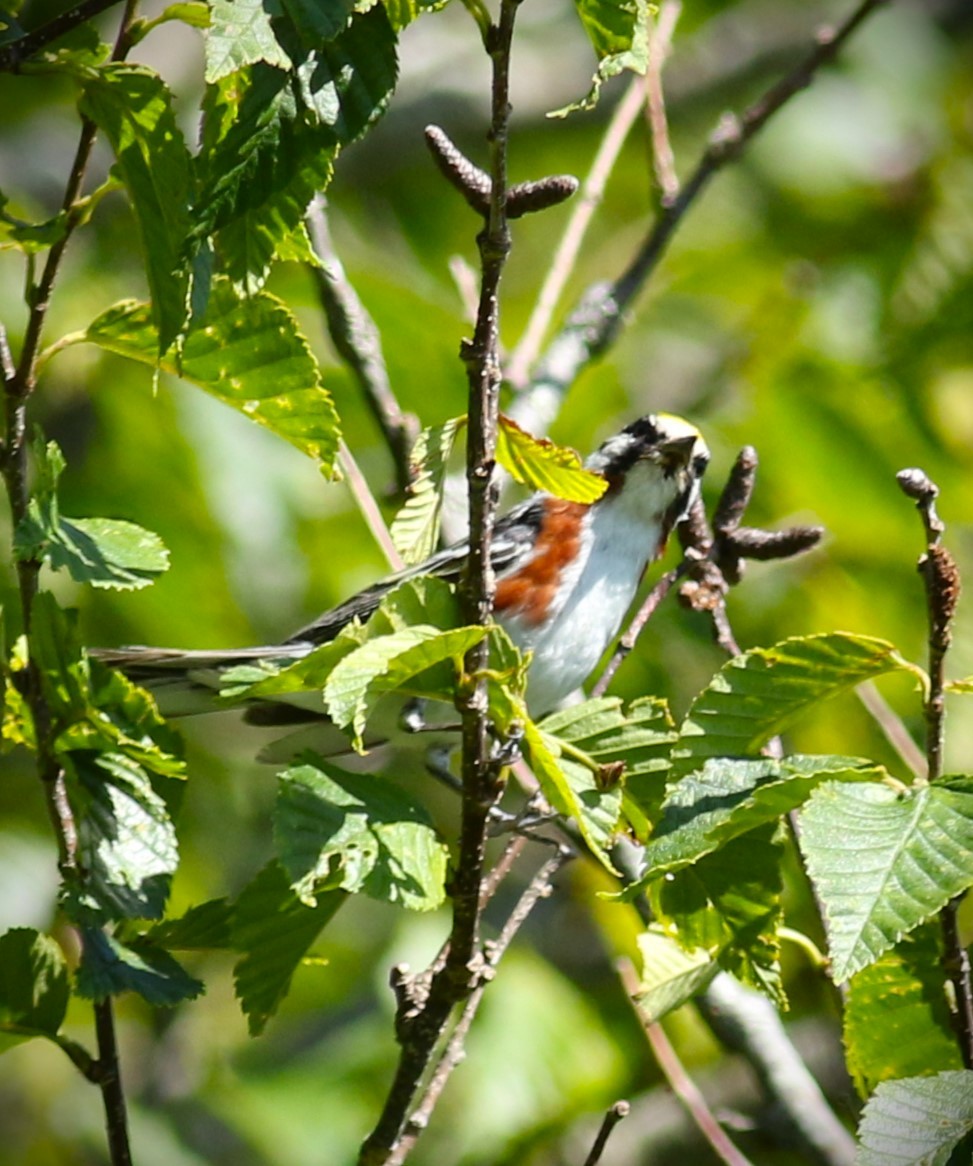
x=883, y=862
x=896, y=1015
x=248, y=353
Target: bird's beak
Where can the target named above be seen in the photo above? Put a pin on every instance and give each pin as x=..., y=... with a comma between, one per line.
x=677, y=452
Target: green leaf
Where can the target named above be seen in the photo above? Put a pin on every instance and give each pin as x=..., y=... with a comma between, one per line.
x=619, y=33
x=402, y=12
x=357, y=832
x=760, y=693
x=316, y=22
x=539, y=463
x=671, y=976
x=386, y=663
x=729, y=904
x=33, y=986
x=109, y=967
x=275, y=930
x=896, y=1016
x=415, y=529
x=30, y=238
x=574, y=790
x=909, y=854
x=640, y=736
x=240, y=33
x=917, y=1121
x=248, y=353
x=133, y=108
x=101, y=551
x=126, y=841
x=205, y=927
x=308, y=674
x=727, y=798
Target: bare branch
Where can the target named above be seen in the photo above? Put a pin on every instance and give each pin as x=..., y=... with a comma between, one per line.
x=594, y=323
x=357, y=340
x=941, y=579
x=660, y=42
x=897, y=735
x=619, y=1111
x=368, y=506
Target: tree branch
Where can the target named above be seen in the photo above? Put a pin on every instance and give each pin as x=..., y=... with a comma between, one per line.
x=593, y=324
x=615, y=1114
x=358, y=343
x=13, y=55
x=462, y=970
x=941, y=579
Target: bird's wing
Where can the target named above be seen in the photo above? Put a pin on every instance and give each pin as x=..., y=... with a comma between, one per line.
x=514, y=535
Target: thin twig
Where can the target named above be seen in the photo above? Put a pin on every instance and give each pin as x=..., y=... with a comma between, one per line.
x=941, y=579
x=566, y=256
x=595, y=321
x=679, y=1080
x=13, y=55
x=357, y=340
x=366, y=503
x=660, y=42
x=894, y=731
x=620, y=1110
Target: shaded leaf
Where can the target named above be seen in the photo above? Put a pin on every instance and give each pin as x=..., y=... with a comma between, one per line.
x=917, y=1121
x=131, y=105
x=109, y=967
x=357, y=832
x=202, y=928
x=539, y=463
x=275, y=930
x=729, y=904
x=415, y=529
x=249, y=353
x=910, y=854
x=671, y=976
x=896, y=1016
x=33, y=986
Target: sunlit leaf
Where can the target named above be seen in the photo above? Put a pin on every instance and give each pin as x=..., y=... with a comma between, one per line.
x=104, y=552
x=382, y=664
x=896, y=1014
x=760, y=693
x=539, y=463
x=909, y=853
x=670, y=975
x=358, y=832
x=917, y=1121
x=619, y=33
x=33, y=986
x=247, y=352
x=240, y=33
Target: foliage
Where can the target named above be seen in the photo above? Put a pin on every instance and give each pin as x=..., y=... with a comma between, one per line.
x=816, y=309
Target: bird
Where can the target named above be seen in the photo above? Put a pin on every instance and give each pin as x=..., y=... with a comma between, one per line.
x=566, y=574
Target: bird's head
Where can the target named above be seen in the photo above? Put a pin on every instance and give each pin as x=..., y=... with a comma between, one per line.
x=653, y=467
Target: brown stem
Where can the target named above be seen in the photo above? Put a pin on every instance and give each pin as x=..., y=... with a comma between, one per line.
x=463, y=968
x=615, y=1114
x=594, y=323
x=660, y=43
x=356, y=338
x=110, y=1083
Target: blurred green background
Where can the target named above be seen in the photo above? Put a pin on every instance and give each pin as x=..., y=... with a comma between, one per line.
x=817, y=303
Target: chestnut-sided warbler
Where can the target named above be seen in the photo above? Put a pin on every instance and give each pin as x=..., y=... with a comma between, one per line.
x=566, y=573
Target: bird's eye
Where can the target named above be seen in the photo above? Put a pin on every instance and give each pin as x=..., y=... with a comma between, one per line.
x=700, y=462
